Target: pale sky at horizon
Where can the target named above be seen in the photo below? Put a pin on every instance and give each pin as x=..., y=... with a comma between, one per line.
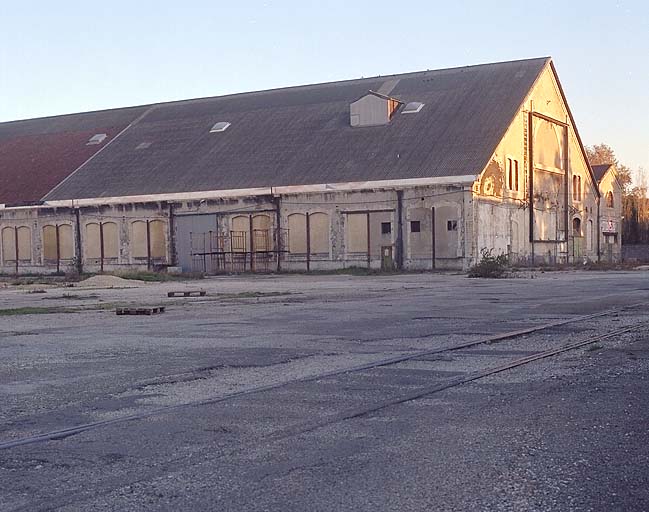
x=79, y=56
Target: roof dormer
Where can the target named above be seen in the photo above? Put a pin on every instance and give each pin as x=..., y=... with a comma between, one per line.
x=373, y=109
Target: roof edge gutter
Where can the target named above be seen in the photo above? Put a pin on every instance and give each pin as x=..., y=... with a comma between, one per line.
x=260, y=191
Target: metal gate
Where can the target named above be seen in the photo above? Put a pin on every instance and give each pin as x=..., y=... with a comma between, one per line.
x=203, y=247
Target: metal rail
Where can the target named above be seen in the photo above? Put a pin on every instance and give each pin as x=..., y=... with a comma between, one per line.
x=67, y=432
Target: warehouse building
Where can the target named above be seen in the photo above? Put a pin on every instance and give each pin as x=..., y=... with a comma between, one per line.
x=422, y=170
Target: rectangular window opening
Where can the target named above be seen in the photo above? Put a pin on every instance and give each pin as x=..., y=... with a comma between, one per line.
x=386, y=228
x=451, y=225
x=415, y=226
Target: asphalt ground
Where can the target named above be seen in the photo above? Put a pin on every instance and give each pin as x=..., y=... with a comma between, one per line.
x=232, y=401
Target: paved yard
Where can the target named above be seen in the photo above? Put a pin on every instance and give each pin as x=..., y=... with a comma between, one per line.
x=238, y=400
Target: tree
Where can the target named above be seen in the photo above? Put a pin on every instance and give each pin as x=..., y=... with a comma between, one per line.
x=603, y=154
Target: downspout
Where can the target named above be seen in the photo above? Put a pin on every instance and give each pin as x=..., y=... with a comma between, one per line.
x=399, y=229
x=566, y=182
x=597, y=227
x=530, y=158
x=308, y=242
x=172, y=237
x=77, y=214
x=277, y=199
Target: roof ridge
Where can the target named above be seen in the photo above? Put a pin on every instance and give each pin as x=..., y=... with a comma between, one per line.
x=277, y=89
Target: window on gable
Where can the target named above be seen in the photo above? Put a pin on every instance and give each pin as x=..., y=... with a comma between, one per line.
x=512, y=175
x=609, y=199
x=576, y=188
x=415, y=226
x=451, y=225
x=386, y=228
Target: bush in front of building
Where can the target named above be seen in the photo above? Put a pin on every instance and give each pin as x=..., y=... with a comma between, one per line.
x=490, y=266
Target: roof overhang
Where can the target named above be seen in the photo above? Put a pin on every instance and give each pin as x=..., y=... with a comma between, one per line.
x=261, y=191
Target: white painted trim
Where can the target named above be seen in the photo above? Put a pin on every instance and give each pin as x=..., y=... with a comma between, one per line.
x=292, y=189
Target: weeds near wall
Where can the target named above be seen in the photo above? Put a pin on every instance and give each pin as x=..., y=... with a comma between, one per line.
x=490, y=266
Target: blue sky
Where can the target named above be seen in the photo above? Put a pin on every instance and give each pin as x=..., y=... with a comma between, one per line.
x=71, y=56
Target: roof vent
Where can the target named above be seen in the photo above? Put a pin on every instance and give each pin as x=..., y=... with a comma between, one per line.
x=413, y=107
x=98, y=138
x=143, y=145
x=221, y=126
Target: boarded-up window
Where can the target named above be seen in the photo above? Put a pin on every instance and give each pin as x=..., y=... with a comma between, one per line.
x=319, y=226
x=297, y=233
x=20, y=238
x=139, y=239
x=158, y=239
x=66, y=242
x=111, y=240
x=8, y=245
x=547, y=144
x=239, y=233
x=357, y=232
x=24, y=243
x=50, y=252
x=92, y=241
x=261, y=228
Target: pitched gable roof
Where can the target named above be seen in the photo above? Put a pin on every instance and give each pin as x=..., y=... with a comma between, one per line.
x=600, y=170
x=302, y=136
x=37, y=154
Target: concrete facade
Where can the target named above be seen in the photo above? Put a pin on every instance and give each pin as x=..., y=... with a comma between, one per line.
x=536, y=200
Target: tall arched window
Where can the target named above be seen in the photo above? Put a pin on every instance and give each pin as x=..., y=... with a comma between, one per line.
x=576, y=188
x=609, y=199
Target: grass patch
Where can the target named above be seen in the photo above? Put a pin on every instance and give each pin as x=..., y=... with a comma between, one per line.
x=251, y=295
x=160, y=276
x=35, y=311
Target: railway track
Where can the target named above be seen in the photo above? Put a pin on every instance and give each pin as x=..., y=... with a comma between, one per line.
x=377, y=405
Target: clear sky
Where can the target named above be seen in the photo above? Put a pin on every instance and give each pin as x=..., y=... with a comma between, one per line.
x=72, y=56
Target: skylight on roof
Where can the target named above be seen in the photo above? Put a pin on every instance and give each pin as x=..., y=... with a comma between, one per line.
x=98, y=138
x=221, y=126
x=413, y=107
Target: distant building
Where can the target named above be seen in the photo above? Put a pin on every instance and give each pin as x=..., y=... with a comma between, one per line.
x=418, y=171
x=610, y=212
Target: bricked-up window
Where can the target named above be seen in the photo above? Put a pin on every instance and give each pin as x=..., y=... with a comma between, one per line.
x=451, y=225
x=512, y=174
x=415, y=226
x=576, y=188
x=386, y=228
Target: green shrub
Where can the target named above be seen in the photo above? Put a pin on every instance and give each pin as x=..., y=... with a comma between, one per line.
x=490, y=266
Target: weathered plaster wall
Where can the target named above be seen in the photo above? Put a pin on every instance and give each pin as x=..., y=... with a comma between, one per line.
x=502, y=204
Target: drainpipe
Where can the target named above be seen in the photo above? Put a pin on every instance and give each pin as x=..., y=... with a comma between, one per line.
x=308, y=243
x=148, y=245
x=77, y=214
x=530, y=159
x=16, y=246
x=599, y=231
x=399, y=229
x=369, y=245
x=566, y=163
x=172, y=237
x=278, y=221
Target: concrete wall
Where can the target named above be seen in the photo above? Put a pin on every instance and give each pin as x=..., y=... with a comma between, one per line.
x=56, y=240
x=369, y=228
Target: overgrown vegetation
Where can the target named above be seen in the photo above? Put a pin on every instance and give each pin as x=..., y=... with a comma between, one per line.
x=490, y=266
x=159, y=276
